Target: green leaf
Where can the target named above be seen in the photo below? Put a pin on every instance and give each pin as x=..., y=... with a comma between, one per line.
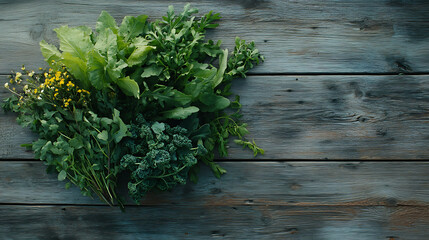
x=201, y=133
x=223, y=60
x=75, y=41
x=114, y=69
x=49, y=52
x=104, y=135
x=62, y=175
x=131, y=26
x=76, y=143
x=180, y=99
x=123, y=129
x=106, y=43
x=77, y=67
x=129, y=86
x=97, y=74
x=152, y=70
x=213, y=102
x=158, y=128
x=180, y=112
x=106, y=21
x=216, y=169
x=140, y=52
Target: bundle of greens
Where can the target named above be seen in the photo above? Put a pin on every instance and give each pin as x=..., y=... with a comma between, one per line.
x=150, y=100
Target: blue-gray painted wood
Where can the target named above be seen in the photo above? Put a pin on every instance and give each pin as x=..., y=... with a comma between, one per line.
x=296, y=36
x=292, y=117
x=313, y=117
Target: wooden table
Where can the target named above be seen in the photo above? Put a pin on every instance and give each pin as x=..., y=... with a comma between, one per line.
x=344, y=82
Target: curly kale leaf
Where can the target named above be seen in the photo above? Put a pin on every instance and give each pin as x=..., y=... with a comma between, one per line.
x=160, y=157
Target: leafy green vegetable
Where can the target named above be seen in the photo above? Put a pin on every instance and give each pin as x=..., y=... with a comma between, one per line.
x=151, y=100
x=159, y=156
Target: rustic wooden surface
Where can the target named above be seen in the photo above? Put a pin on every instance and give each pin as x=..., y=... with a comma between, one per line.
x=343, y=80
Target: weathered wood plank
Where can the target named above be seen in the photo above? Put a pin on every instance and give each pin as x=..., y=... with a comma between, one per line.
x=197, y=222
x=314, y=117
x=296, y=36
x=271, y=184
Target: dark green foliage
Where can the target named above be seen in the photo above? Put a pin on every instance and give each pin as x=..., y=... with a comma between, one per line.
x=151, y=99
x=159, y=156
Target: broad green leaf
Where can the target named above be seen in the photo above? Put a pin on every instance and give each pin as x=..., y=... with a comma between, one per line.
x=129, y=86
x=77, y=67
x=104, y=135
x=97, y=74
x=105, y=122
x=158, y=128
x=131, y=26
x=114, y=69
x=180, y=112
x=140, y=52
x=106, y=43
x=213, y=102
x=62, y=175
x=196, y=87
x=180, y=99
x=201, y=71
x=49, y=52
x=223, y=60
x=152, y=70
x=106, y=21
x=75, y=41
x=169, y=96
x=123, y=130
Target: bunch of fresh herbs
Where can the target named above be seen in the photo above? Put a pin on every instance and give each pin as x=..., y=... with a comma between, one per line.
x=147, y=99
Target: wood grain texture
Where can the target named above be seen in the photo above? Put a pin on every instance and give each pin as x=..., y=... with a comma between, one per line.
x=271, y=183
x=295, y=36
x=214, y=222
x=313, y=117
x=294, y=200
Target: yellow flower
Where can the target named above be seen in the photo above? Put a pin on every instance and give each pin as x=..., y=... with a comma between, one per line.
x=18, y=75
x=6, y=85
x=56, y=89
x=35, y=90
x=46, y=75
x=23, y=68
x=70, y=84
x=55, y=95
x=31, y=74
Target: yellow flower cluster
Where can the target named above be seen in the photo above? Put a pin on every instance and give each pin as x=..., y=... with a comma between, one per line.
x=63, y=88
x=66, y=102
